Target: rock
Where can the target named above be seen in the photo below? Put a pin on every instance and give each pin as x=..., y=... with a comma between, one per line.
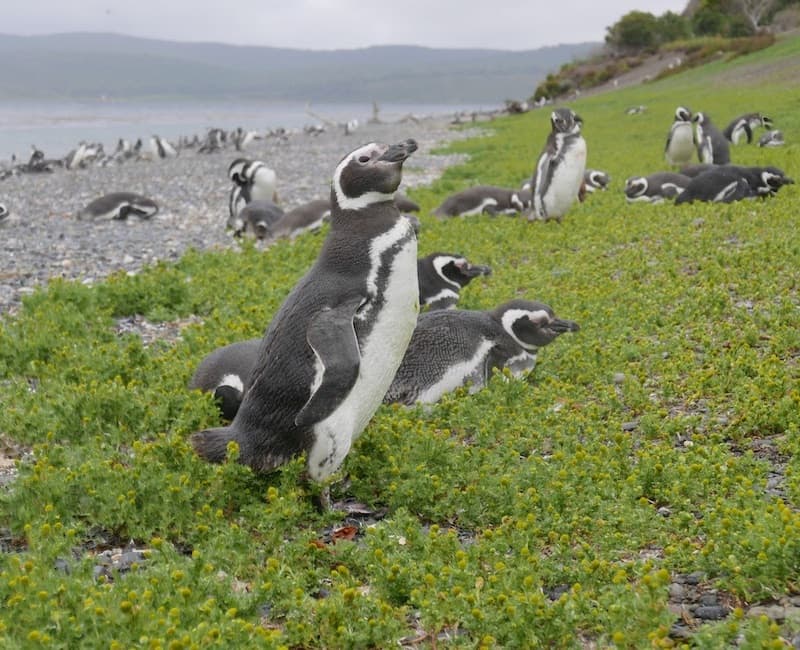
x=619, y=378
x=677, y=592
x=711, y=612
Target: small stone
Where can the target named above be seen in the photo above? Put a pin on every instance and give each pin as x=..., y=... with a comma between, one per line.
x=708, y=599
x=693, y=578
x=664, y=511
x=711, y=612
x=630, y=426
x=128, y=259
x=677, y=591
x=619, y=377
x=680, y=631
x=773, y=612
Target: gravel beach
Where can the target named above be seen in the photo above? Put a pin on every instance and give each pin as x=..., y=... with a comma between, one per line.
x=42, y=238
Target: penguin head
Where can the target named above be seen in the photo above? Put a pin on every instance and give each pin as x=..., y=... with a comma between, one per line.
x=370, y=174
x=772, y=179
x=635, y=186
x=597, y=179
x=236, y=170
x=701, y=118
x=456, y=269
x=683, y=114
x=3, y=211
x=532, y=324
x=766, y=122
x=524, y=197
x=565, y=120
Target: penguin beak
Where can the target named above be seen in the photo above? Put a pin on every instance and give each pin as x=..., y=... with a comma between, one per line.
x=561, y=326
x=578, y=119
x=788, y=181
x=474, y=270
x=399, y=152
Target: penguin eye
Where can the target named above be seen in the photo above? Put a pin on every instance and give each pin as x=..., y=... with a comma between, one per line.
x=363, y=159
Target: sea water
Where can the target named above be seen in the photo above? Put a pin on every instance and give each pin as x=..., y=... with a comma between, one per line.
x=56, y=127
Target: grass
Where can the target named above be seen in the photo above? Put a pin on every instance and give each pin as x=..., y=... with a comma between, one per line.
x=548, y=512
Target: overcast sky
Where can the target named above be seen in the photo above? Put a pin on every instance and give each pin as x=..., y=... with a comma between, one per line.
x=332, y=24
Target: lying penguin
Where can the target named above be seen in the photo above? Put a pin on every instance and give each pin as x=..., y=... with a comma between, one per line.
x=442, y=276
x=3, y=211
x=772, y=138
x=258, y=218
x=454, y=347
x=331, y=351
x=119, y=205
x=655, y=188
x=728, y=183
x=594, y=179
x=482, y=199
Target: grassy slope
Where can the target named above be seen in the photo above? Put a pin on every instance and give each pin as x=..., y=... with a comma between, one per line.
x=494, y=499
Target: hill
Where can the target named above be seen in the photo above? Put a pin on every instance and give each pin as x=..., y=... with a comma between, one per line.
x=91, y=65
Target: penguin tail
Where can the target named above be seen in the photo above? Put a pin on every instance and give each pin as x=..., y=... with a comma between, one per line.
x=212, y=444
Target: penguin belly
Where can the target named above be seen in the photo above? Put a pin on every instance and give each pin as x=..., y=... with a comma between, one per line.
x=566, y=182
x=382, y=351
x=681, y=146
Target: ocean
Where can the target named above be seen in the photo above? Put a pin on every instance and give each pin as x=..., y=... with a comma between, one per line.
x=57, y=127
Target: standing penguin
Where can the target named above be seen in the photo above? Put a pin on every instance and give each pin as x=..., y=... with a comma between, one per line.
x=558, y=176
x=712, y=147
x=680, y=141
x=744, y=125
x=453, y=347
x=253, y=181
x=332, y=350
x=442, y=276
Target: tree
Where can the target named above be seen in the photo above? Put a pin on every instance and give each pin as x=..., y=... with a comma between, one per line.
x=755, y=10
x=636, y=30
x=673, y=27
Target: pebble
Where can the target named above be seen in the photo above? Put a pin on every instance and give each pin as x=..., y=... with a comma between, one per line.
x=42, y=238
x=711, y=612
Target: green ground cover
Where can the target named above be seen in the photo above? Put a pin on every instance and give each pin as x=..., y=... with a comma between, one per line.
x=552, y=512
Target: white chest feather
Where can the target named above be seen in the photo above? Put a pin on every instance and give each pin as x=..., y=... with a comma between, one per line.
x=459, y=374
x=681, y=144
x=382, y=350
x=567, y=179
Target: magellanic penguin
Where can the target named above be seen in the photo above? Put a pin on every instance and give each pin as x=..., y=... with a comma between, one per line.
x=453, y=347
x=258, y=218
x=594, y=179
x=226, y=372
x=253, y=181
x=727, y=183
x=655, y=188
x=680, y=145
x=404, y=204
x=119, y=205
x=3, y=211
x=332, y=350
x=481, y=199
x=442, y=276
x=712, y=147
x=304, y=218
x=558, y=176
x=744, y=125
x=771, y=139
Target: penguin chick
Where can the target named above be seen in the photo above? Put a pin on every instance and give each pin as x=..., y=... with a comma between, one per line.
x=451, y=348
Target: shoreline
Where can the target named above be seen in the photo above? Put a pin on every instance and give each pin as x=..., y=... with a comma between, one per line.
x=42, y=238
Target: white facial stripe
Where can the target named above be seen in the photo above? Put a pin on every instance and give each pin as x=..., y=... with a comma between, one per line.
x=440, y=262
x=444, y=293
x=234, y=381
x=366, y=199
x=512, y=315
x=456, y=374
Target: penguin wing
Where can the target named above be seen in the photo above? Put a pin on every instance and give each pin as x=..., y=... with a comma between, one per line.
x=332, y=337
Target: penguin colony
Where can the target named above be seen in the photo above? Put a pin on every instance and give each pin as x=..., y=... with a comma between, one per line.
x=714, y=179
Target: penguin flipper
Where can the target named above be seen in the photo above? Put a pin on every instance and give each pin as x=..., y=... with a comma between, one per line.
x=332, y=337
